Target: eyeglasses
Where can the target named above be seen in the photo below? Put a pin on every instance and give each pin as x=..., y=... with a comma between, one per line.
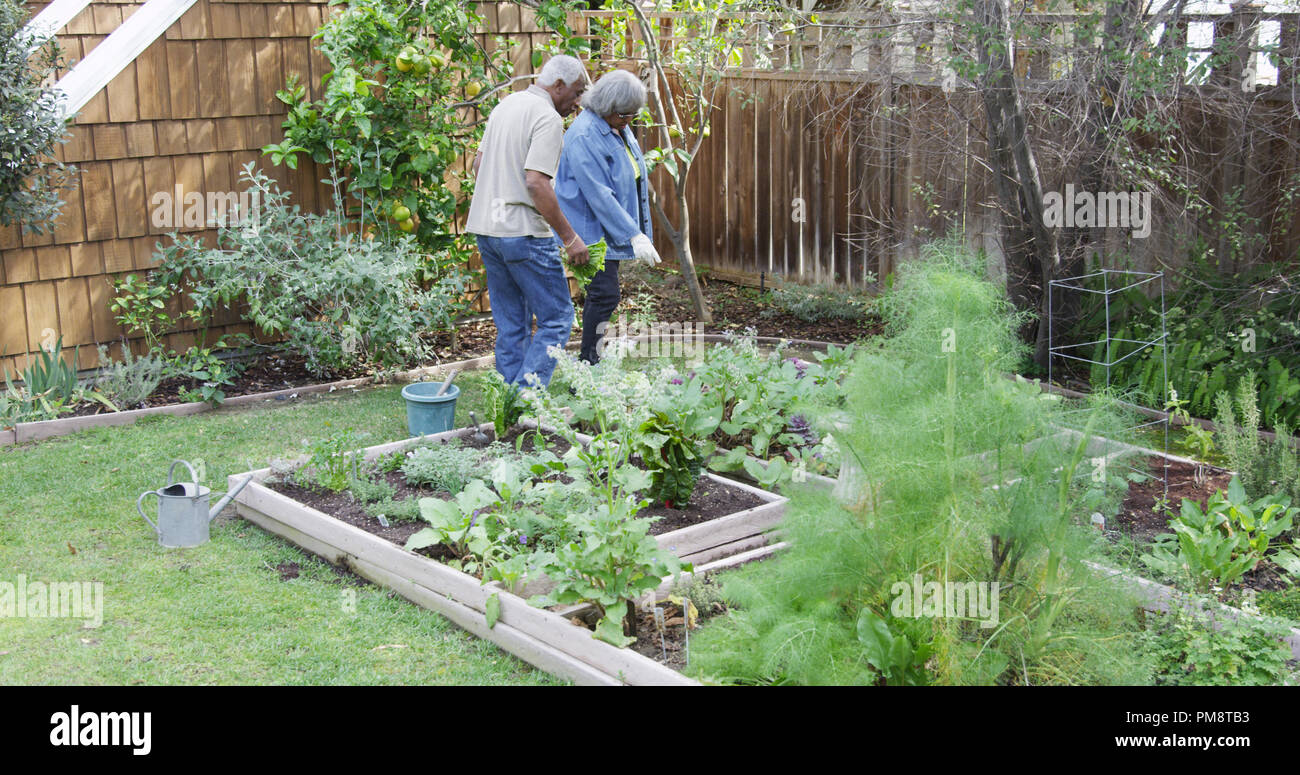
x=628, y=115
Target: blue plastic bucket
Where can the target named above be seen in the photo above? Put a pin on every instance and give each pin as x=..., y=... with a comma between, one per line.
x=427, y=414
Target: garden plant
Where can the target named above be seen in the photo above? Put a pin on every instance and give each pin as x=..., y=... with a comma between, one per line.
x=932, y=426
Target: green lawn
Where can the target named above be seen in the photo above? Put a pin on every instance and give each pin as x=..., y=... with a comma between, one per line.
x=218, y=613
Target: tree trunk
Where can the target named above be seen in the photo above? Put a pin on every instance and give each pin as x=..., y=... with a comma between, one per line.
x=1032, y=243
x=663, y=107
x=682, y=244
x=681, y=241
x=1117, y=47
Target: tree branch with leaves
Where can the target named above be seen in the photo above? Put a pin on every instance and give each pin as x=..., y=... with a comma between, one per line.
x=31, y=125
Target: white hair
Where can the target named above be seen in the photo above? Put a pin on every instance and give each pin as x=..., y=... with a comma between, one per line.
x=561, y=67
x=617, y=91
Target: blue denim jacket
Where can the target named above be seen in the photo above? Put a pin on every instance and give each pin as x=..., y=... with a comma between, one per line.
x=596, y=189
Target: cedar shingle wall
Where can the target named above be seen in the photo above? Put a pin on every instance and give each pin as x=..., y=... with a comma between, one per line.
x=195, y=107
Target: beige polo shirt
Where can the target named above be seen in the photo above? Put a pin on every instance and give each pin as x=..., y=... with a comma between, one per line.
x=524, y=132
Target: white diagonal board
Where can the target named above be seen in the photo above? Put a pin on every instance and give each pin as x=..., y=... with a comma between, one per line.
x=118, y=50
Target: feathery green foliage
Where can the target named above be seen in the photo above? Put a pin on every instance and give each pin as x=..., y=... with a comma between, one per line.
x=934, y=425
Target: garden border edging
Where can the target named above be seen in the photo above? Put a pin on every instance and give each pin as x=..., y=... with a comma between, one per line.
x=44, y=429
x=1159, y=597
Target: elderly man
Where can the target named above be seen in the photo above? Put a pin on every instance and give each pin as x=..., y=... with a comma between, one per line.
x=516, y=219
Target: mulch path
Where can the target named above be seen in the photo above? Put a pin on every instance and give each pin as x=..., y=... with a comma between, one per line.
x=734, y=307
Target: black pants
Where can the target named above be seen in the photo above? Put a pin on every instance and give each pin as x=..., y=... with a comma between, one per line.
x=602, y=298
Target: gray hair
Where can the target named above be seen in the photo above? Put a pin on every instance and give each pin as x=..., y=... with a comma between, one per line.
x=561, y=67
x=617, y=91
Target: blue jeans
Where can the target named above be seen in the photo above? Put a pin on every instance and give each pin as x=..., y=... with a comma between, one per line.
x=525, y=277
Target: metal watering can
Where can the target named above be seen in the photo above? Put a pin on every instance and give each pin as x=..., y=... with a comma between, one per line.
x=183, y=514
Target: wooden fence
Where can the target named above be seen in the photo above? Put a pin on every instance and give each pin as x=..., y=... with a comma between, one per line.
x=838, y=150
x=808, y=180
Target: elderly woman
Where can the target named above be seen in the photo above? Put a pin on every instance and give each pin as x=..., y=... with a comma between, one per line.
x=602, y=188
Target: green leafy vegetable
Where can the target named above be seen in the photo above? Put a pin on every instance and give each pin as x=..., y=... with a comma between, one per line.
x=584, y=274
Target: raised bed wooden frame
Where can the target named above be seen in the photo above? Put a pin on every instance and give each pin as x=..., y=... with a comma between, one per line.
x=543, y=638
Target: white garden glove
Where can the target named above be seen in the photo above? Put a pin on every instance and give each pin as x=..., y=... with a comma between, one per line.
x=644, y=250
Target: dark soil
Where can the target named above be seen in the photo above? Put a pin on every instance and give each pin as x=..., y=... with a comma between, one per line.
x=268, y=373
x=668, y=646
x=264, y=373
x=734, y=308
x=1138, y=519
x=709, y=501
x=554, y=444
x=344, y=507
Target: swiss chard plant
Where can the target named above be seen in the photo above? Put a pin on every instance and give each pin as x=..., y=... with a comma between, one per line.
x=671, y=443
x=612, y=562
x=1216, y=546
x=760, y=394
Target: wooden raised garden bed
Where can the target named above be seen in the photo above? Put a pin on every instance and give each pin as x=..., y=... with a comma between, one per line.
x=546, y=639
